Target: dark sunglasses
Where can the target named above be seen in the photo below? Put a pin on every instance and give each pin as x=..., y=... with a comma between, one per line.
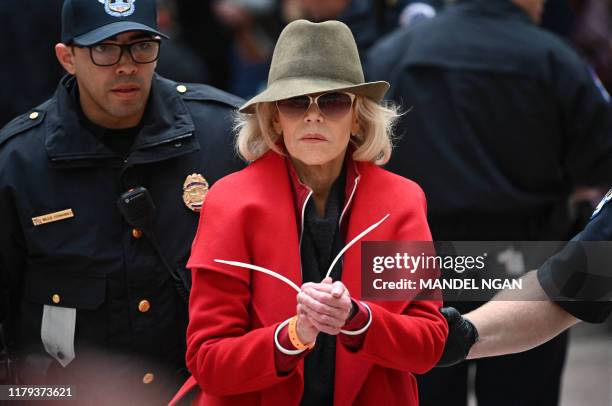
x=333, y=105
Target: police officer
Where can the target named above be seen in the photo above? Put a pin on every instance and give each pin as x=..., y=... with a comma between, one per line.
x=504, y=121
x=95, y=285
x=573, y=285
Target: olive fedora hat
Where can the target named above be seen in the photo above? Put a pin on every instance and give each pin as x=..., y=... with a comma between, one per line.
x=314, y=58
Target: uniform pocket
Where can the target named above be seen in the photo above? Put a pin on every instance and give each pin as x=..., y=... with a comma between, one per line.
x=85, y=291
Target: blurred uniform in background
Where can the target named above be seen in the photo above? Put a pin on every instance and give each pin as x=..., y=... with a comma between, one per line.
x=504, y=121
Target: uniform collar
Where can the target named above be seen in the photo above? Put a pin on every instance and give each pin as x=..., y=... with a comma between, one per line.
x=167, y=120
x=498, y=8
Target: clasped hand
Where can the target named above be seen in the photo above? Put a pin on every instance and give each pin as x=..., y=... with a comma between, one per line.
x=322, y=307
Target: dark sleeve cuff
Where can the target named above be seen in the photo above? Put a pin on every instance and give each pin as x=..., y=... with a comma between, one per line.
x=567, y=280
x=359, y=320
x=286, y=363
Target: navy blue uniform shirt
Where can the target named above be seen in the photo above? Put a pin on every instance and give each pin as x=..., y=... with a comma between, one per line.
x=130, y=322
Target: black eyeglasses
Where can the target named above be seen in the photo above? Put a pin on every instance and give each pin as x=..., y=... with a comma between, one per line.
x=141, y=52
x=333, y=105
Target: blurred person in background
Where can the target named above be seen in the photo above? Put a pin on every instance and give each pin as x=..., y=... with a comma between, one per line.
x=505, y=121
x=369, y=20
x=592, y=36
x=255, y=25
x=178, y=61
x=242, y=33
x=29, y=29
x=203, y=32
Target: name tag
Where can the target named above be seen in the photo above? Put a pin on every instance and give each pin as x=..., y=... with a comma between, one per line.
x=51, y=217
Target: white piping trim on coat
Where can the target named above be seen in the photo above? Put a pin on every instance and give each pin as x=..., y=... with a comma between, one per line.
x=353, y=241
x=364, y=328
x=348, y=202
x=302, y=231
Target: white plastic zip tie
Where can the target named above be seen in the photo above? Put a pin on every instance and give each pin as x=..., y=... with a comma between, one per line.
x=261, y=269
x=287, y=280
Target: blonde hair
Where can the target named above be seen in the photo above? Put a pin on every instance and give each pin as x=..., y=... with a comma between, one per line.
x=256, y=135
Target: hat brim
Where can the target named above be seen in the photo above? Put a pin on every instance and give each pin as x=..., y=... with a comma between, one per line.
x=292, y=87
x=110, y=30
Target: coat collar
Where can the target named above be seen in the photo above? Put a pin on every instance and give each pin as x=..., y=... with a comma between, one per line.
x=290, y=197
x=302, y=192
x=167, y=120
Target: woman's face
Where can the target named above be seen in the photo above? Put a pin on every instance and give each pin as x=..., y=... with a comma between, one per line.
x=317, y=134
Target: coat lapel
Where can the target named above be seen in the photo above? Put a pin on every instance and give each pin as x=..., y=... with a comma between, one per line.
x=351, y=369
x=276, y=246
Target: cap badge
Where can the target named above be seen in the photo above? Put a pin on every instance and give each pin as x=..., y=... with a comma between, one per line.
x=119, y=8
x=194, y=191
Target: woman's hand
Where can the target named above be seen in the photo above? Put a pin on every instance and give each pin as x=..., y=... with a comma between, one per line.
x=327, y=305
x=306, y=331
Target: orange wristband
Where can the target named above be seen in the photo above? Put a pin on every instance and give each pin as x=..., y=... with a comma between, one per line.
x=293, y=336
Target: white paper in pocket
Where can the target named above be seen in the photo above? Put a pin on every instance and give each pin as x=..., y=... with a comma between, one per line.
x=57, y=332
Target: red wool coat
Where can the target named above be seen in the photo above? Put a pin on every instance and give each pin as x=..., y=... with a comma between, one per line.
x=250, y=217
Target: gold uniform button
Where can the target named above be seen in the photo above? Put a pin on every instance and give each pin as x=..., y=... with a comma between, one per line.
x=55, y=298
x=136, y=233
x=181, y=88
x=144, y=306
x=148, y=378
x=34, y=115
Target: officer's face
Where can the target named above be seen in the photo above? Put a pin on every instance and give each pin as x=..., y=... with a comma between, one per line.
x=534, y=8
x=320, y=10
x=111, y=96
x=316, y=139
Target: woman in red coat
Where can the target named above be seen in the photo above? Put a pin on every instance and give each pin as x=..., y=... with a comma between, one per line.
x=315, y=138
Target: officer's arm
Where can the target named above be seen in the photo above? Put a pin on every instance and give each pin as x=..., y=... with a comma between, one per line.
x=517, y=321
x=567, y=283
x=567, y=288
